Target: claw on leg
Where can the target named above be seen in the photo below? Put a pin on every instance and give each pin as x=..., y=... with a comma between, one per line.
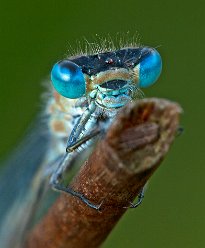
x=69, y=190
x=139, y=199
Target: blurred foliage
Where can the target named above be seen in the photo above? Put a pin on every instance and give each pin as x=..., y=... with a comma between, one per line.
x=35, y=34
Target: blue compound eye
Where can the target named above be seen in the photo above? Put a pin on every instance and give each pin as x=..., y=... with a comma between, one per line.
x=68, y=79
x=150, y=67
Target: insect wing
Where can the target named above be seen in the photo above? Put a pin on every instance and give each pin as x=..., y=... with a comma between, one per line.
x=21, y=187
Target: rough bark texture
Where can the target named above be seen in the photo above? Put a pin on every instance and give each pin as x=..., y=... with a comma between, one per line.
x=119, y=167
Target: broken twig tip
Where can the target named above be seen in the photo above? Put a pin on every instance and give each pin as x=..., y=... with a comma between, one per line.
x=114, y=174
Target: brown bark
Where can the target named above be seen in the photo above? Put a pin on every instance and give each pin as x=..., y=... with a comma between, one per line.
x=119, y=167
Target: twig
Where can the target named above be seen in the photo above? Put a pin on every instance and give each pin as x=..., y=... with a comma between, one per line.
x=119, y=167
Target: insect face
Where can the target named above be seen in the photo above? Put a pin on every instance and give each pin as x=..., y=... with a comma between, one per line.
x=111, y=78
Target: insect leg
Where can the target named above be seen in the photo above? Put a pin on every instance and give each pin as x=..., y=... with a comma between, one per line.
x=82, y=140
x=65, y=166
x=139, y=199
x=69, y=190
x=80, y=125
x=180, y=131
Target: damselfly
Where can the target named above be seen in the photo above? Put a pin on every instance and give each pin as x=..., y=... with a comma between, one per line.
x=88, y=91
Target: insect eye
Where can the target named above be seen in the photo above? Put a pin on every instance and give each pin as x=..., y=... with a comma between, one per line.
x=150, y=67
x=68, y=79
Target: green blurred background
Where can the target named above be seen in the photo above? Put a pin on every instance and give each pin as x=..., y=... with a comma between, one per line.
x=35, y=34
